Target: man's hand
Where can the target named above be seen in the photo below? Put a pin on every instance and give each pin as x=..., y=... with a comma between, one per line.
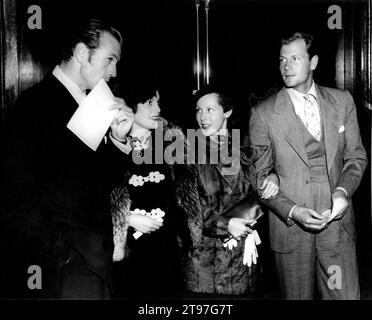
x=339, y=204
x=270, y=186
x=123, y=121
x=309, y=218
x=120, y=104
x=143, y=223
x=238, y=227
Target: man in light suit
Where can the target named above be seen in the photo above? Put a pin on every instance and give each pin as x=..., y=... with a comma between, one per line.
x=312, y=142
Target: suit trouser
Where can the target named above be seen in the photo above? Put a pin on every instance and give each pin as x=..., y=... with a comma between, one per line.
x=326, y=258
x=80, y=268
x=74, y=281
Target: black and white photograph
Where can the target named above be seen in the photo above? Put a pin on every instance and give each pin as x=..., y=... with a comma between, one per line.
x=184, y=156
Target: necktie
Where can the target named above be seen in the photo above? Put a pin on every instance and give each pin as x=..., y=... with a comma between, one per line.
x=312, y=116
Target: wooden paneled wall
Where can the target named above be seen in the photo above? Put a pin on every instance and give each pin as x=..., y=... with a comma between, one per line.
x=366, y=57
x=9, y=55
x=354, y=73
x=20, y=64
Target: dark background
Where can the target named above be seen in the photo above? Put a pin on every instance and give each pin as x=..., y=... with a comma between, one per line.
x=160, y=44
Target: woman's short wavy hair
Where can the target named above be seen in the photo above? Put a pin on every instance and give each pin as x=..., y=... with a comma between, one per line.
x=224, y=100
x=140, y=92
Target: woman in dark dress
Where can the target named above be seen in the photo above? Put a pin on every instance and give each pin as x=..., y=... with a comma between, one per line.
x=147, y=222
x=215, y=266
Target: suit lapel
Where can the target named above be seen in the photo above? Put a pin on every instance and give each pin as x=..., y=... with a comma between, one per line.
x=69, y=103
x=328, y=108
x=65, y=105
x=285, y=120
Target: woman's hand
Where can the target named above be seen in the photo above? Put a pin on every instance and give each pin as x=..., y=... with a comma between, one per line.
x=143, y=223
x=238, y=227
x=270, y=186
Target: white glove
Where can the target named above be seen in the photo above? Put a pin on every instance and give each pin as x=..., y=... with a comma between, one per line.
x=137, y=234
x=250, y=250
x=156, y=214
x=231, y=244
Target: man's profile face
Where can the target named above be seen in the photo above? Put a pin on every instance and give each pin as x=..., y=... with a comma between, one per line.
x=296, y=67
x=102, y=62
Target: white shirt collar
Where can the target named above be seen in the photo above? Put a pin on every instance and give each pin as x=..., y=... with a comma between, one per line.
x=312, y=91
x=298, y=97
x=71, y=86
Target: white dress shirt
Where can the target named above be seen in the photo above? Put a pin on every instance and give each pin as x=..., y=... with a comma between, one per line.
x=298, y=101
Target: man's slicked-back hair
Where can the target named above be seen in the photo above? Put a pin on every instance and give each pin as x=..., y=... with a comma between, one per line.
x=88, y=32
x=309, y=41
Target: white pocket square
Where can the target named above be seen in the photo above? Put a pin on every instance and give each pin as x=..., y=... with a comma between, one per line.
x=342, y=129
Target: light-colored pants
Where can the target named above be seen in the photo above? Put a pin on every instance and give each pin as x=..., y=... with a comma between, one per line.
x=320, y=258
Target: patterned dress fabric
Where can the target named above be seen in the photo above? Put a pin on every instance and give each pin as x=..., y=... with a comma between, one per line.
x=211, y=267
x=151, y=268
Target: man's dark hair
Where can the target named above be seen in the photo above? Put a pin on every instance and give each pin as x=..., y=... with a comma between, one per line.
x=88, y=32
x=309, y=41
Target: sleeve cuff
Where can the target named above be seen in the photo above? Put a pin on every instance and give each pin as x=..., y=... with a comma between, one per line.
x=124, y=147
x=344, y=190
x=290, y=220
x=222, y=225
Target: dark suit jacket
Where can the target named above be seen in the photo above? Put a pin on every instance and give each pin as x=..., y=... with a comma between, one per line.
x=54, y=187
x=273, y=125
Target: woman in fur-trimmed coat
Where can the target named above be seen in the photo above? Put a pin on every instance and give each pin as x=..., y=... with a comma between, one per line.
x=212, y=267
x=148, y=224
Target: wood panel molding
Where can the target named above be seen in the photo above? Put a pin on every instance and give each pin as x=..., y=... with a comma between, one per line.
x=9, y=55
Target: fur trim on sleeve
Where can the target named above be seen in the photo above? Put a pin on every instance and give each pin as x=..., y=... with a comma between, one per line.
x=120, y=209
x=187, y=196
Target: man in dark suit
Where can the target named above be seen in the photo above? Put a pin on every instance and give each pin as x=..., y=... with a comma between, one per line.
x=312, y=142
x=55, y=189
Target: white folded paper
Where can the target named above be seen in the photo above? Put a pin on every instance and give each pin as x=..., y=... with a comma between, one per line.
x=93, y=117
x=327, y=213
x=339, y=205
